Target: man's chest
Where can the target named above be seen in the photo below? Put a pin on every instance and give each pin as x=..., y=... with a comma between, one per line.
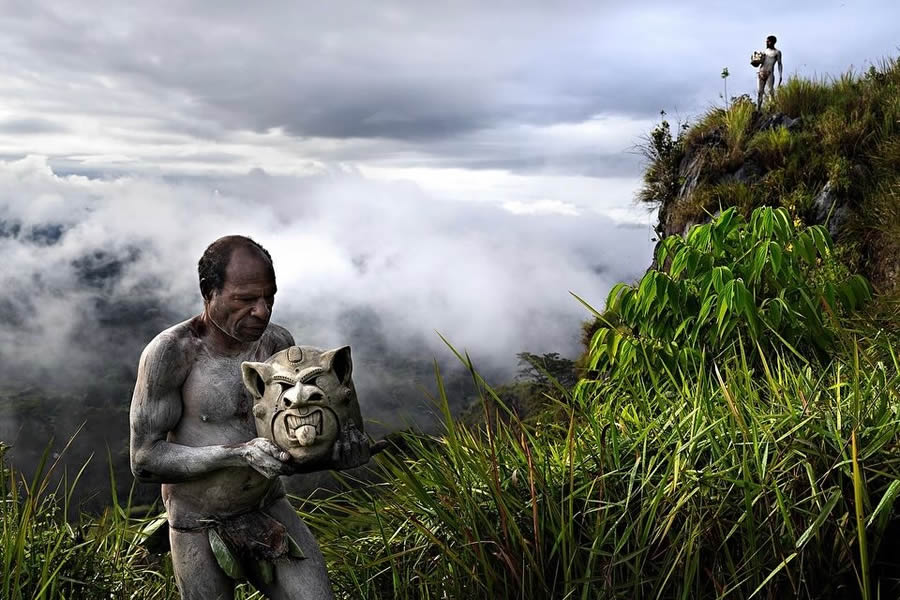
x=214, y=393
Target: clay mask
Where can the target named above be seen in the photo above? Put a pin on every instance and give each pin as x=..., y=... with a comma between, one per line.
x=302, y=396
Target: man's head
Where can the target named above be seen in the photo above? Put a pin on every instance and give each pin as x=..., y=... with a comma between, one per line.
x=237, y=282
x=770, y=41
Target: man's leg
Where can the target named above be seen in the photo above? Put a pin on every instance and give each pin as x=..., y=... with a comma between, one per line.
x=770, y=83
x=197, y=573
x=303, y=579
x=760, y=89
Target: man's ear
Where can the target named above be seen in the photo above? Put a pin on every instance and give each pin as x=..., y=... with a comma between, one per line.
x=340, y=362
x=256, y=376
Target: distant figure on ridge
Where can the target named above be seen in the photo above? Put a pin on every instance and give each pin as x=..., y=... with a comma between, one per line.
x=766, y=75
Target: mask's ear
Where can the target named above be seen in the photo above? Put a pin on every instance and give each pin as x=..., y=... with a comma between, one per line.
x=339, y=361
x=256, y=375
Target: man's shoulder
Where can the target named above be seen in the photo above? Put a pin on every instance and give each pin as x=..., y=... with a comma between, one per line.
x=178, y=338
x=279, y=337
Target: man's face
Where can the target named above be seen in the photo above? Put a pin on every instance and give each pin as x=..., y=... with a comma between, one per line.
x=769, y=43
x=243, y=306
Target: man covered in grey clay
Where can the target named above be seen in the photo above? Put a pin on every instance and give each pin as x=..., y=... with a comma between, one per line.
x=766, y=73
x=192, y=430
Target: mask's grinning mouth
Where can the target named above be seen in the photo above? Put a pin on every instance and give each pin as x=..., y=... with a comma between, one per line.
x=305, y=428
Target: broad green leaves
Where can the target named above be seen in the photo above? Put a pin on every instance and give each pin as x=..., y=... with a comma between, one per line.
x=762, y=280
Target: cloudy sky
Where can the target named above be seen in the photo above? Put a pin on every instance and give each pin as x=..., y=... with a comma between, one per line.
x=456, y=167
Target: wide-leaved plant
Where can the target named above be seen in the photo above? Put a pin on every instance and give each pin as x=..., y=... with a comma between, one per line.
x=766, y=281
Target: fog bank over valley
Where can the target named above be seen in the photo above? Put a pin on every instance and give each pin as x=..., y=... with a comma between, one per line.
x=93, y=268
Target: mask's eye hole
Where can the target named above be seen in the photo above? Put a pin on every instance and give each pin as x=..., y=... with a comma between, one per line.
x=285, y=386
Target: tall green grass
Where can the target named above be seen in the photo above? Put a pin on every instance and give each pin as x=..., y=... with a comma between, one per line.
x=737, y=120
x=47, y=552
x=742, y=483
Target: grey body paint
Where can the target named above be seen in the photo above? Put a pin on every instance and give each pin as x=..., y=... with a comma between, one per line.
x=193, y=431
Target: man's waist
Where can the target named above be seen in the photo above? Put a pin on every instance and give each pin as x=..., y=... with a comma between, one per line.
x=188, y=512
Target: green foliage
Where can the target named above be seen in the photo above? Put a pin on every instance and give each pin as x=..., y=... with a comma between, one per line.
x=734, y=483
x=839, y=132
x=663, y=153
x=45, y=555
x=705, y=127
x=726, y=280
x=546, y=369
x=773, y=146
x=723, y=195
x=801, y=97
x=737, y=121
x=839, y=173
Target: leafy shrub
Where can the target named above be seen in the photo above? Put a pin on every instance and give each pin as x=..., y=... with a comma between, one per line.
x=707, y=127
x=726, y=280
x=663, y=153
x=839, y=173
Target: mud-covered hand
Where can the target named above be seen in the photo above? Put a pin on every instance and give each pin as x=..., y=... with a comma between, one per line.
x=353, y=448
x=266, y=458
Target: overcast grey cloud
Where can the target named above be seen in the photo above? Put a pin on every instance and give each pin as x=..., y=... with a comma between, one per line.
x=418, y=81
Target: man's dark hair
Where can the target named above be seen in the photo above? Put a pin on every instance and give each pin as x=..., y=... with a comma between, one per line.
x=214, y=261
x=773, y=38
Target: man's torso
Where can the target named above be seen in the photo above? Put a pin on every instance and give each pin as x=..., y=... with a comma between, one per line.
x=216, y=410
x=770, y=58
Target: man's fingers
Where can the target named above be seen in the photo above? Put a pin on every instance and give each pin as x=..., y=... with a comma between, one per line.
x=272, y=449
x=337, y=454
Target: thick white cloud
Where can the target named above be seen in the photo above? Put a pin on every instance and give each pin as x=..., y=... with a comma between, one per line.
x=492, y=281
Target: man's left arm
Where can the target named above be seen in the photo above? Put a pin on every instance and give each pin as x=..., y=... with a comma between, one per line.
x=780, y=68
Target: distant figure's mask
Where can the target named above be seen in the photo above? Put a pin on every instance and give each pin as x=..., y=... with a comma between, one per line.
x=302, y=397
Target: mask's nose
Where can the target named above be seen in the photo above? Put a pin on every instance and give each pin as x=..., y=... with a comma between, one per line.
x=299, y=395
x=289, y=399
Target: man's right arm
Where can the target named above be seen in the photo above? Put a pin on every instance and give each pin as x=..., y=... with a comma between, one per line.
x=156, y=409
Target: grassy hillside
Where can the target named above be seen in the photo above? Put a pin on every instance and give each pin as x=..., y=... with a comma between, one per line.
x=825, y=150
x=734, y=432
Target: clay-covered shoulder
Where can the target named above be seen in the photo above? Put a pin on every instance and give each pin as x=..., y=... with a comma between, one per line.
x=279, y=338
x=168, y=357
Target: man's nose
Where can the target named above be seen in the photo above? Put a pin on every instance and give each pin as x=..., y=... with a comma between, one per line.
x=262, y=309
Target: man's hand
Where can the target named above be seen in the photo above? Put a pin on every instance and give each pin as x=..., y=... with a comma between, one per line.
x=266, y=458
x=353, y=449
